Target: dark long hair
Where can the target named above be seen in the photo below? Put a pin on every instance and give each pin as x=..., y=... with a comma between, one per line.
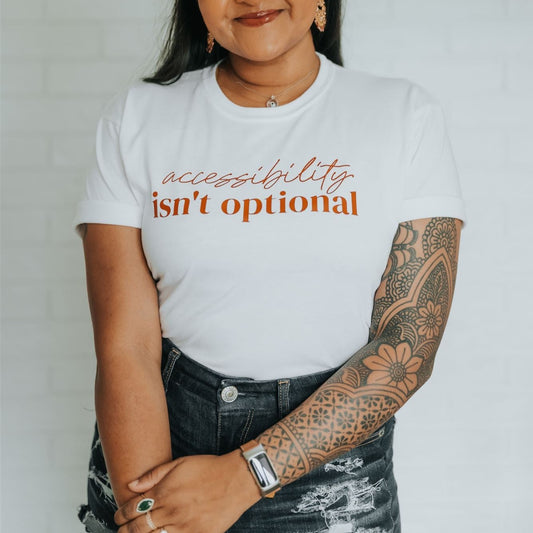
x=184, y=48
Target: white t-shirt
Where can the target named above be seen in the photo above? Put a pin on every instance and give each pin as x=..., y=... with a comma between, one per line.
x=267, y=230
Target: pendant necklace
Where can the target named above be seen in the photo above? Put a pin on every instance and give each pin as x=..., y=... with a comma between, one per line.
x=273, y=99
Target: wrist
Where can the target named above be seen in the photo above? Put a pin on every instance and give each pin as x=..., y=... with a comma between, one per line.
x=245, y=481
x=262, y=469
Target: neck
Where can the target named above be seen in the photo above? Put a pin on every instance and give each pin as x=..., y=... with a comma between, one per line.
x=271, y=76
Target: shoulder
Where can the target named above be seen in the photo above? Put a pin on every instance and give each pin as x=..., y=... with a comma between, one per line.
x=138, y=98
x=379, y=92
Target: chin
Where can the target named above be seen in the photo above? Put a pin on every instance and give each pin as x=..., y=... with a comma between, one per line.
x=263, y=53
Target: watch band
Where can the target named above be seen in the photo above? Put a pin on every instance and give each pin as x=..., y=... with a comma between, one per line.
x=261, y=468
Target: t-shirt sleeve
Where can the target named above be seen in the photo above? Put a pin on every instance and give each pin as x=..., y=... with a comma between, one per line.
x=110, y=196
x=431, y=186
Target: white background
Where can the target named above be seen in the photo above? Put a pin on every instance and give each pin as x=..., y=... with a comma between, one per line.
x=463, y=443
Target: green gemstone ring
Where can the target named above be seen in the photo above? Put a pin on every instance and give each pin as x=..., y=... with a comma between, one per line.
x=145, y=505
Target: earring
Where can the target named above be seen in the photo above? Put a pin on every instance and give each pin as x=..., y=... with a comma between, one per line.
x=320, y=15
x=210, y=42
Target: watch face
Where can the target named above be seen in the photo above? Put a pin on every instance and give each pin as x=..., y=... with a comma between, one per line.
x=263, y=470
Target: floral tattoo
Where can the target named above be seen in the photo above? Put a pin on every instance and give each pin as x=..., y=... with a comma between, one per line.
x=411, y=307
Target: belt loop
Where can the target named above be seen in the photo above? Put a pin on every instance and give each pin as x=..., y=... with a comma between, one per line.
x=283, y=397
x=177, y=353
x=170, y=362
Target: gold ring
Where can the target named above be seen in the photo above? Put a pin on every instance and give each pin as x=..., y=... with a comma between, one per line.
x=153, y=527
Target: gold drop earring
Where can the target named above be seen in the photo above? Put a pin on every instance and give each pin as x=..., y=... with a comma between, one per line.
x=320, y=15
x=210, y=42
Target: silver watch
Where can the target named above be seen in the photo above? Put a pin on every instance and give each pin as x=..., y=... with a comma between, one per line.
x=261, y=467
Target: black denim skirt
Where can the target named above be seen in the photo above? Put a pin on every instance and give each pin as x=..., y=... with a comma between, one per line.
x=213, y=413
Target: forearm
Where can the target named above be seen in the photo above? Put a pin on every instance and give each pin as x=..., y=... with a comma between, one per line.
x=343, y=412
x=133, y=422
x=410, y=313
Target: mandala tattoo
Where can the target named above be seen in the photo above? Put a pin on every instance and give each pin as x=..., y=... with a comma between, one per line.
x=411, y=307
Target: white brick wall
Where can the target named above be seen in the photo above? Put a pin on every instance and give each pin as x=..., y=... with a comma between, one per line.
x=462, y=444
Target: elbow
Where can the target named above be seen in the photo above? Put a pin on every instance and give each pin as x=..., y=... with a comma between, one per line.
x=426, y=369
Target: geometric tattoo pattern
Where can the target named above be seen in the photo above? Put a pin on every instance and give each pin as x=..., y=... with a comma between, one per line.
x=411, y=307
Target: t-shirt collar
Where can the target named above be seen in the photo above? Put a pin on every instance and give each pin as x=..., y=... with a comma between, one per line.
x=223, y=103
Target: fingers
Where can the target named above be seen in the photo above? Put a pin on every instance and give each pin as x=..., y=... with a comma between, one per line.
x=152, y=477
x=134, y=508
x=146, y=523
x=142, y=503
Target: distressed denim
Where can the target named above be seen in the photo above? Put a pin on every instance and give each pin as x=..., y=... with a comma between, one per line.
x=213, y=413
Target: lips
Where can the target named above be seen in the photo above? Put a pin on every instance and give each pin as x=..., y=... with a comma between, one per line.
x=259, y=17
x=258, y=14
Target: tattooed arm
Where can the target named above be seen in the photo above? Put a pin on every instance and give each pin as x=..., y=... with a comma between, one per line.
x=411, y=307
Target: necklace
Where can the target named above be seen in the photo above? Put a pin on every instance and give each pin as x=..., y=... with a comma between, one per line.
x=272, y=101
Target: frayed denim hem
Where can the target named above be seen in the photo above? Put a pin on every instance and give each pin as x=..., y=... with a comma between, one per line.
x=92, y=523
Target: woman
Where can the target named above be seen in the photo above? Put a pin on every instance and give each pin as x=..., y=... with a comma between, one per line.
x=255, y=330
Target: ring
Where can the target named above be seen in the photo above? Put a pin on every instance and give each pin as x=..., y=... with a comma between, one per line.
x=153, y=527
x=145, y=505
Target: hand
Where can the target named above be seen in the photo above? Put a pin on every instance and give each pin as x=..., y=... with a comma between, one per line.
x=193, y=494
